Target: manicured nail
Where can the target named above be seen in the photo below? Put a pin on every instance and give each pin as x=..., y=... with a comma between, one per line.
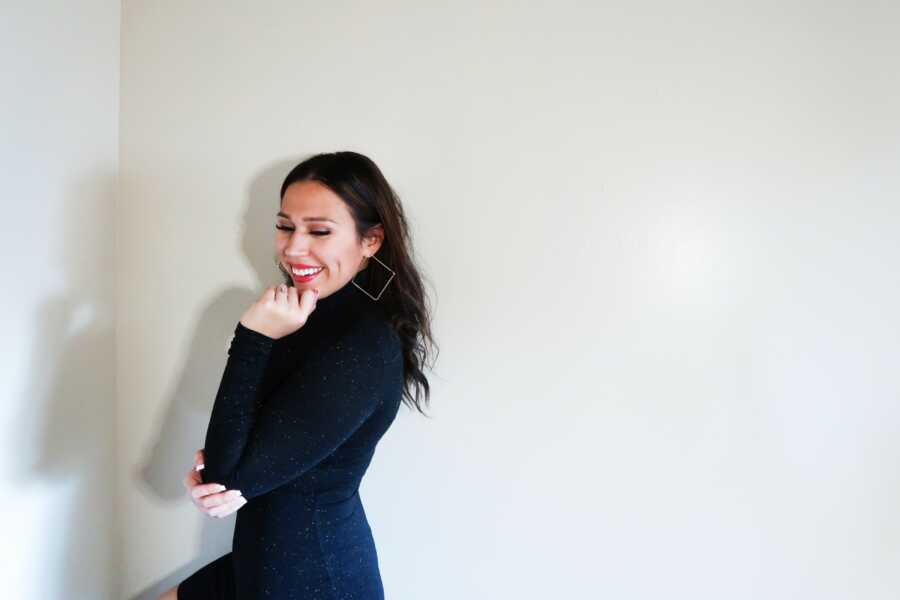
x=199, y=467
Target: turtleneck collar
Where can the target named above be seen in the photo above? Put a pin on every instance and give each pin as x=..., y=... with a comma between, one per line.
x=338, y=300
x=330, y=312
x=333, y=314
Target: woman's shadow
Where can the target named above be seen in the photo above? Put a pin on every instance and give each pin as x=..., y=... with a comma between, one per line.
x=183, y=426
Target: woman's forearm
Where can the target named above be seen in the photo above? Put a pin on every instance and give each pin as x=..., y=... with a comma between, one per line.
x=236, y=405
x=263, y=443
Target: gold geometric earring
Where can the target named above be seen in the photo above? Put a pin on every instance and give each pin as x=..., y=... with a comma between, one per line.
x=385, y=285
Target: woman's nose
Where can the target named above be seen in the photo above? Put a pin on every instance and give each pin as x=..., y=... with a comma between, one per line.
x=298, y=245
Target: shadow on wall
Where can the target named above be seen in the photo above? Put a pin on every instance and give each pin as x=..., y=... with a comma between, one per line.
x=183, y=428
x=71, y=401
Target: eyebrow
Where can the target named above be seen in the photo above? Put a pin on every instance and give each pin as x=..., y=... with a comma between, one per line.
x=282, y=214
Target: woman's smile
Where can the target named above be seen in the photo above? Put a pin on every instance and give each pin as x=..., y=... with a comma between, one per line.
x=302, y=273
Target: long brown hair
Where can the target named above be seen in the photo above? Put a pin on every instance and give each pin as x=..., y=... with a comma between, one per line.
x=371, y=200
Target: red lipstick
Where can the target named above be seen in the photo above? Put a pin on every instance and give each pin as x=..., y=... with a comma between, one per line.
x=304, y=278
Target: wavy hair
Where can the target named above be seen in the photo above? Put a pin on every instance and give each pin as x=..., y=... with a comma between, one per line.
x=371, y=200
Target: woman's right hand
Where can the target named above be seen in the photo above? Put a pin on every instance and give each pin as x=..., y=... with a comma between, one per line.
x=211, y=498
x=280, y=311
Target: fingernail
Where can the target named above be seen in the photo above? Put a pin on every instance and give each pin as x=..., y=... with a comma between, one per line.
x=220, y=488
x=199, y=467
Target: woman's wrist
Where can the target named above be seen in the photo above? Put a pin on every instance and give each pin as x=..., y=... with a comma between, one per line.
x=249, y=340
x=252, y=332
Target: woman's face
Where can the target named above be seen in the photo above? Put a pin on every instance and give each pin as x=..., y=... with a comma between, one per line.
x=317, y=236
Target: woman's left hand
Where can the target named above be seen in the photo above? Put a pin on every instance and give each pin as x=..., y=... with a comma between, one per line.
x=211, y=498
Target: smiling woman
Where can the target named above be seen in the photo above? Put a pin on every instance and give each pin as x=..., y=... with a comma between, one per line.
x=317, y=238
x=316, y=372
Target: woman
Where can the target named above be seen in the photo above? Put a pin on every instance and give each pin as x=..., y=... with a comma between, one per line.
x=315, y=375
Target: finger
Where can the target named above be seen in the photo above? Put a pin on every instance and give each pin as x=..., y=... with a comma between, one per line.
x=206, y=489
x=218, y=499
x=224, y=510
x=208, y=502
x=292, y=297
x=307, y=302
x=281, y=293
x=198, y=457
x=269, y=294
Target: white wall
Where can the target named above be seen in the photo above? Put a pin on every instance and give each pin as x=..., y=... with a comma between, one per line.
x=59, y=99
x=664, y=244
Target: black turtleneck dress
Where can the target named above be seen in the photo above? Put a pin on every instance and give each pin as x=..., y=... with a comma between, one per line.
x=294, y=428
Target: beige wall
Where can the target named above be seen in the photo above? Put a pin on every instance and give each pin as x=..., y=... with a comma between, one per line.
x=59, y=102
x=664, y=244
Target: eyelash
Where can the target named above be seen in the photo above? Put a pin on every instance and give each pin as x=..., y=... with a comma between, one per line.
x=319, y=232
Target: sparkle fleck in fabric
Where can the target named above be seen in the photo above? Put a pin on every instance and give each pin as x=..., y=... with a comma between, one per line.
x=294, y=427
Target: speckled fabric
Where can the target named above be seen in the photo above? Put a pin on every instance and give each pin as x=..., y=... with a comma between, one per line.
x=294, y=427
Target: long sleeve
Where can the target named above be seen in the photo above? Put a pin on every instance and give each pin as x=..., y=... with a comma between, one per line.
x=256, y=444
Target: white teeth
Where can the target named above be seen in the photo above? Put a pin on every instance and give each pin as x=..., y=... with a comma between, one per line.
x=303, y=272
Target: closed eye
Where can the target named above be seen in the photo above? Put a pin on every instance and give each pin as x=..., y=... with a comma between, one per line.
x=317, y=232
